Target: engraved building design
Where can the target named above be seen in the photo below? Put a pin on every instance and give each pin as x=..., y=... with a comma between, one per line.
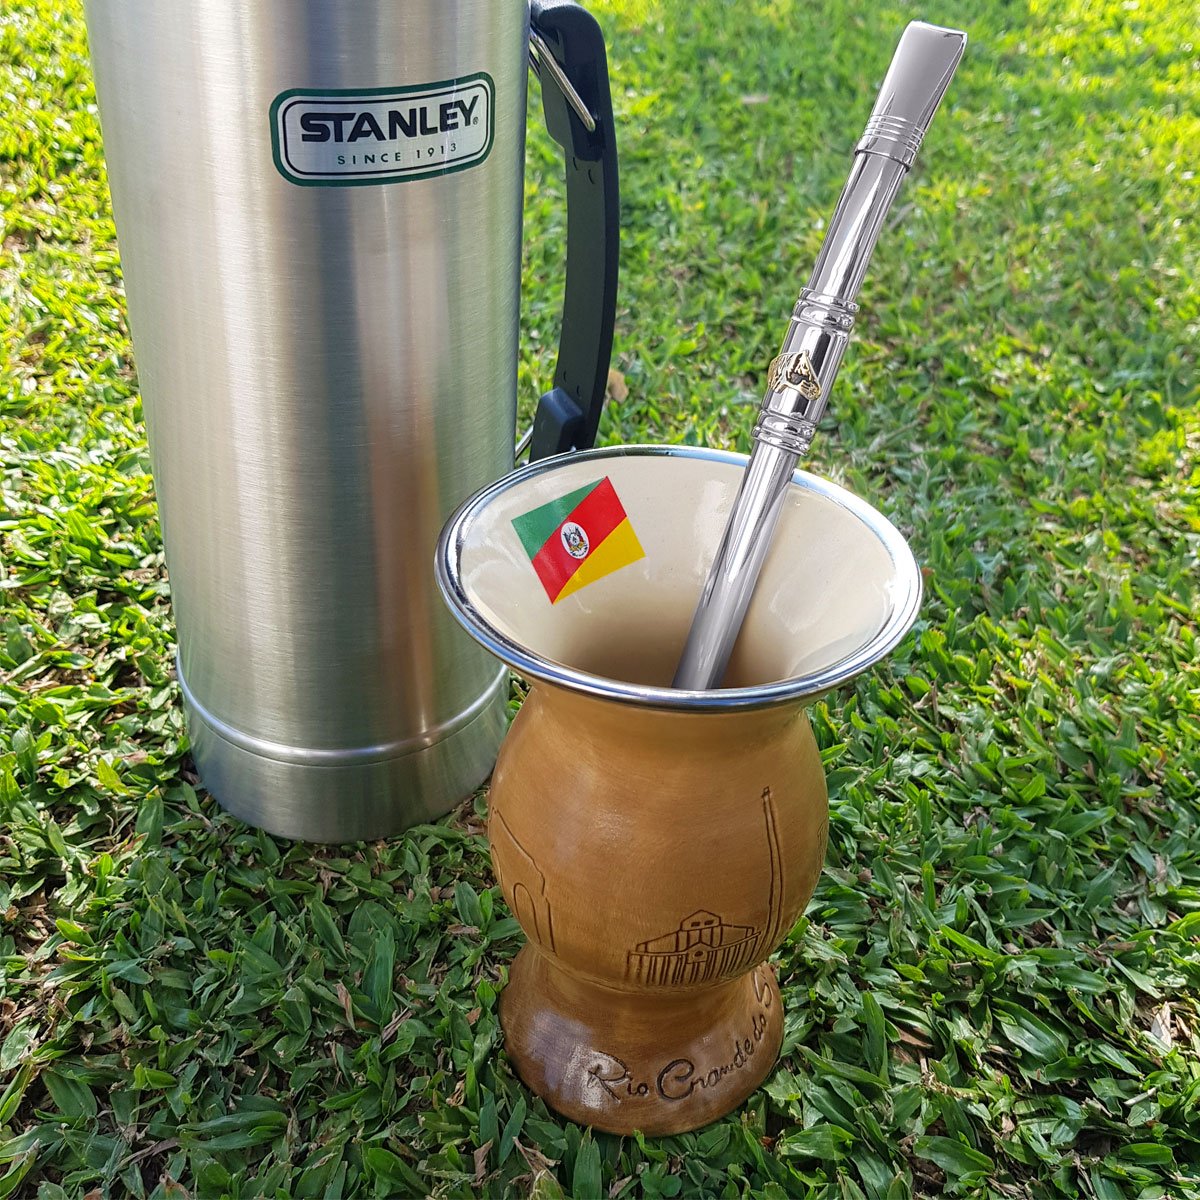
x=705, y=946
x=702, y=946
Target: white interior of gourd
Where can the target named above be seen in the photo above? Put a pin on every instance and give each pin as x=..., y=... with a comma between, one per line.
x=828, y=588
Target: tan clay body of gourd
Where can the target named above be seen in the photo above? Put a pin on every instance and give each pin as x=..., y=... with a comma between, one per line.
x=654, y=859
x=656, y=845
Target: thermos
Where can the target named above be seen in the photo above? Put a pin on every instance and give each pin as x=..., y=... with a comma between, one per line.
x=318, y=206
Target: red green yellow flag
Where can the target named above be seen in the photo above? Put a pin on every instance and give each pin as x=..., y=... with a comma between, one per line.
x=578, y=538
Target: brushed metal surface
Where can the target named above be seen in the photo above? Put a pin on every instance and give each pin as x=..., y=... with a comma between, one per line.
x=326, y=372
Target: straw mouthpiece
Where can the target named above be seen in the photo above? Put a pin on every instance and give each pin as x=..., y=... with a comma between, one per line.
x=921, y=69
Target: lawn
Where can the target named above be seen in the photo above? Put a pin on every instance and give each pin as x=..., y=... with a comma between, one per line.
x=996, y=988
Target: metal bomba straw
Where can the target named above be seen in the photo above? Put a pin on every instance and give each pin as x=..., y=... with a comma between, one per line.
x=802, y=375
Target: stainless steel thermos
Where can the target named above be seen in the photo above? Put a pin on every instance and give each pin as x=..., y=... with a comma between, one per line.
x=319, y=212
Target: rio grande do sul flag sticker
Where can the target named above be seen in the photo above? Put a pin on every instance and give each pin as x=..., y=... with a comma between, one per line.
x=578, y=538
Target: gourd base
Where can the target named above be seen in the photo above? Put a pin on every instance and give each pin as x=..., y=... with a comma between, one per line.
x=661, y=1062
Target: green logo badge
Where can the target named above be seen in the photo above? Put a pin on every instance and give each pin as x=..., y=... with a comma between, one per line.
x=344, y=138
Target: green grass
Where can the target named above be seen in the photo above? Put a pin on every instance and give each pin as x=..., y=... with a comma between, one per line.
x=995, y=989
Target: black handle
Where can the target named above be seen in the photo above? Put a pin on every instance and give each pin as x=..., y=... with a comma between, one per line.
x=568, y=414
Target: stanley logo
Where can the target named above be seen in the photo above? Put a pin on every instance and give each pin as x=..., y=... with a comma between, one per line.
x=382, y=135
x=407, y=121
